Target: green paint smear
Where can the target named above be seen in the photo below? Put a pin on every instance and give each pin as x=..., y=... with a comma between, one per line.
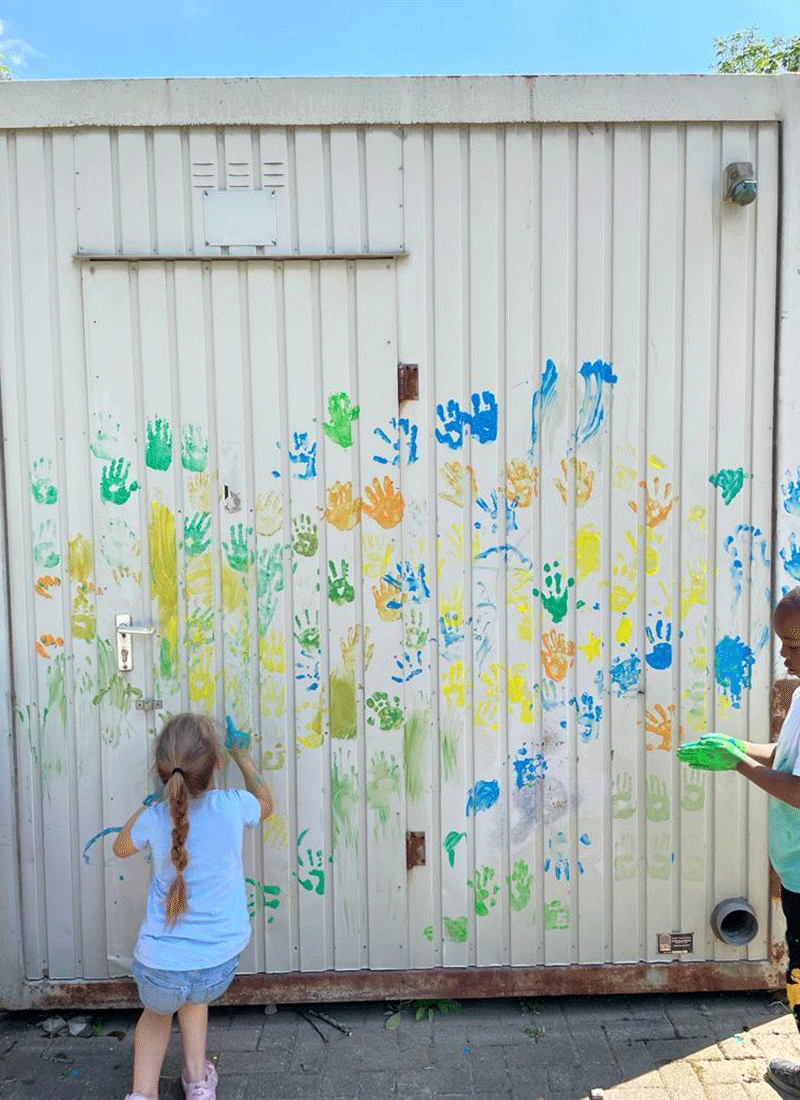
x=110, y=685
x=164, y=585
x=344, y=804
x=450, y=753
x=456, y=929
x=342, y=706
x=415, y=736
x=383, y=786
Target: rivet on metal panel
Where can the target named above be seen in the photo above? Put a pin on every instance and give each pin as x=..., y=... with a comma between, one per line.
x=407, y=382
x=415, y=850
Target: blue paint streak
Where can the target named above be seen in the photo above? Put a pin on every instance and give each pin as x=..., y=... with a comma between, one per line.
x=543, y=397
x=734, y=662
x=591, y=414
x=505, y=550
x=483, y=795
x=105, y=832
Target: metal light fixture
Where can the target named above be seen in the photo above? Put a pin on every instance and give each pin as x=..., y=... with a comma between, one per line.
x=740, y=183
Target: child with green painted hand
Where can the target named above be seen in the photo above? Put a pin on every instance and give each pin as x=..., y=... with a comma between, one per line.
x=775, y=768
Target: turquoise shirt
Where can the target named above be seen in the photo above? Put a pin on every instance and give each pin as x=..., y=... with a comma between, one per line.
x=784, y=820
x=217, y=926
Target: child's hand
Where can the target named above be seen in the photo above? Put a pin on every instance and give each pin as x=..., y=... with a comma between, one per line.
x=713, y=752
x=235, y=739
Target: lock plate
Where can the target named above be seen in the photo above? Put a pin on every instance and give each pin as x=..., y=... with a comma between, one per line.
x=149, y=704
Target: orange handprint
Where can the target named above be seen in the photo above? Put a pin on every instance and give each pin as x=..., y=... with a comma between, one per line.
x=522, y=482
x=342, y=511
x=456, y=478
x=660, y=723
x=45, y=643
x=557, y=655
x=657, y=509
x=388, y=601
x=386, y=504
x=45, y=582
x=584, y=480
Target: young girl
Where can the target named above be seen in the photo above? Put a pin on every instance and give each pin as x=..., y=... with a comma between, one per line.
x=196, y=922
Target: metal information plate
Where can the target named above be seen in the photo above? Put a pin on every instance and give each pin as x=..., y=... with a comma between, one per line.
x=675, y=943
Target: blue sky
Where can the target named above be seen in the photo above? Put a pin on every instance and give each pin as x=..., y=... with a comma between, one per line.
x=46, y=39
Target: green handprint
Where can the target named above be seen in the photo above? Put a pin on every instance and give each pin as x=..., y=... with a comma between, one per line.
x=624, y=858
x=456, y=928
x=556, y=916
x=305, y=536
x=199, y=627
x=240, y=556
x=657, y=803
x=313, y=867
x=342, y=414
x=622, y=804
x=519, y=885
x=390, y=715
x=729, y=482
x=158, y=454
x=114, y=488
x=194, y=449
x=44, y=552
x=269, y=894
x=270, y=581
x=485, y=890
x=339, y=588
x=450, y=843
x=555, y=598
x=307, y=632
x=42, y=487
x=694, y=793
x=383, y=785
x=416, y=633
x=194, y=533
x=659, y=857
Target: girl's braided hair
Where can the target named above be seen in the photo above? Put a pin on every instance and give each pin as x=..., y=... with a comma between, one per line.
x=188, y=742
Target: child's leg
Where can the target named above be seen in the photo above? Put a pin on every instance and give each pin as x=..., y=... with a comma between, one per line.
x=193, y=1022
x=149, y=1047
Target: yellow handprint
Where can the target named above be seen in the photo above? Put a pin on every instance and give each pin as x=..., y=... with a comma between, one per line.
x=342, y=511
x=272, y=652
x=485, y=713
x=269, y=513
x=377, y=555
x=456, y=478
x=454, y=684
x=349, y=646
x=522, y=482
x=388, y=601
x=694, y=588
x=583, y=475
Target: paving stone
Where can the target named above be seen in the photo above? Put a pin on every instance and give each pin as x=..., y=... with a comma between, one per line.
x=726, y=1092
x=682, y=1081
x=233, y=1038
x=671, y=1050
x=282, y=1086
x=633, y=1058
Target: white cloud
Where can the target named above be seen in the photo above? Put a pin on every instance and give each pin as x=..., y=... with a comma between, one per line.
x=15, y=50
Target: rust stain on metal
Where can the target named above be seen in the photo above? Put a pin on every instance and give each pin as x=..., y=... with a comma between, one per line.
x=379, y=985
x=407, y=382
x=415, y=850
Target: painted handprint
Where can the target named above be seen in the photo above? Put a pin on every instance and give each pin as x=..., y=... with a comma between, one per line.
x=342, y=413
x=790, y=555
x=451, y=842
x=308, y=671
x=304, y=540
x=307, y=632
x=454, y=684
x=556, y=916
x=522, y=482
x=484, y=417
x=388, y=713
x=46, y=643
x=656, y=802
x=388, y=601
x=340, y=590
x=624, y=858
x=529, y=768
x=376, y=554
x=269, y=513
x=790, y=488
x=589, y=715
x=557, y=655
x=196, y=533
x=402, y=431
x=114, y=487
x=267, y=895
x=729, y=482
x=486, y=890
x=304, y=454
x=240, y=556
x=660, y=656
x=349, y=645
x=659, y=502
x=415, y=632
x=384, y=503
x=519, y=882
x=582, y=474
x=43, y=584
x=310, y=871
x=383, y=785
x=199, y=627
x=407, y=667
x=659, y=857
x=158, y=455
x=659, y=722
x=105, y=441
x=694, y=790
x=42, y=487
x=554, y=597
x=491, y=513
x=45, y=549
x=194, y=449
x=623, y=805
x=457, y=480
x=625, y=673
x=342, y=511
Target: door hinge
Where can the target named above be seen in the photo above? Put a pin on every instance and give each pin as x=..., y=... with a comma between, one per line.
x=407, y=382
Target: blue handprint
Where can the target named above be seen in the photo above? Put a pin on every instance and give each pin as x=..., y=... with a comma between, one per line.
x=791, y=493
x=791, y=557
x=308, y=669
x=404, y=429
x=492, y=510
x=409, y=667
x=452, y=425
x=589, y=715
x=529, y=769
x=660, y=656
x=305, y=455
x=406, y=578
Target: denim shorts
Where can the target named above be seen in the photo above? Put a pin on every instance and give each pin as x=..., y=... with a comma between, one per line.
x=167, y=990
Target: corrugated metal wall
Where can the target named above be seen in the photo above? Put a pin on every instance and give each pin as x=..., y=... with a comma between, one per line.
x=487, y=616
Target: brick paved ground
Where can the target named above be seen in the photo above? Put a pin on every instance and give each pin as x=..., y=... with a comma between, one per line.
x=705, y=1047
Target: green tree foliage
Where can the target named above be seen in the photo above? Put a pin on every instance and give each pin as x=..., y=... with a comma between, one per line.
x=747, y=52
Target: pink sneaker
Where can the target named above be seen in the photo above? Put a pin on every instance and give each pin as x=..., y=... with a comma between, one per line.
x=203, y=1090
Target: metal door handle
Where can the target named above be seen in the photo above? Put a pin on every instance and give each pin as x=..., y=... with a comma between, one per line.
x=125, y=628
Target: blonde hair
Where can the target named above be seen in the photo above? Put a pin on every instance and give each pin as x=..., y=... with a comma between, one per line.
x=189, y=742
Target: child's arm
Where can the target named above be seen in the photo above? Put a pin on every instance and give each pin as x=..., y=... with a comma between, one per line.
x=123, y=846
x=252, y=780
x=781, y=785
x=761, y=753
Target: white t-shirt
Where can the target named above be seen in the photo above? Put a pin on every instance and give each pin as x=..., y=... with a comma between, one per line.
x=784, y=820
x=217, y=926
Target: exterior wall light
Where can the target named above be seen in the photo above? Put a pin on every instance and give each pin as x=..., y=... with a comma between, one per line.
x=740, y=183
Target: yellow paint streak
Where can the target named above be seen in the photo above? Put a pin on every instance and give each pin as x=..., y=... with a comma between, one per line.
x=80, y=559
x=587, y=550
x=200, y=579
x=275, y=832
x=164, y=584
x=201, y=680
x=316, y=727
x=656, y=462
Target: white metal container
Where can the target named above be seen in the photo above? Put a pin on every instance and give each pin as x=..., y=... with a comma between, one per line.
x=467, y=629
